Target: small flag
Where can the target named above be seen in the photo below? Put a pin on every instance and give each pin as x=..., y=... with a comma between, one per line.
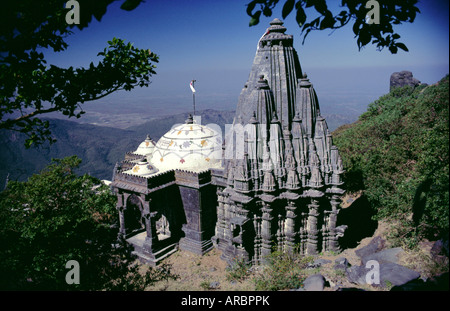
x=192, y=86
x=266, y=33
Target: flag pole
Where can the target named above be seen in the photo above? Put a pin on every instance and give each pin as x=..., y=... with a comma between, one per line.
x=193, y=93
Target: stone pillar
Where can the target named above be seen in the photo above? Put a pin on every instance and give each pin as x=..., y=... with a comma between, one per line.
x=266, y=231
x=227, y=230
x=280, y=234
x=151, y=239
x=290, y=226
x=311, y=248
x=220, y=218
x=120, y=207
x=199, y=203
x=257, y=240
x=303, y=233
x=221, y=223
x=123, y=199
x=333, y=244
x=325, y=231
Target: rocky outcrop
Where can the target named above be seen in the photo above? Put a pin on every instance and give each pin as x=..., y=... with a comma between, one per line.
x=403, y=78
x=375, y=245
x=389, y=274
x=380, y=266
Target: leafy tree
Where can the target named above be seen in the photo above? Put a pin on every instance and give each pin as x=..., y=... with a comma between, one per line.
x=398, y=153
x=352, y=12
x=57, y=216
x=29, y=88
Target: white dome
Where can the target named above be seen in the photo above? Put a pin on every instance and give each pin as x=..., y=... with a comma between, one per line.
x=188, y=146
x=146, y=147
x=143, y=168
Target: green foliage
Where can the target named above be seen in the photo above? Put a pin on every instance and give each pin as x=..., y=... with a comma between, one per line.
x=239, y=270
x=398, y=153
x=282, y=270
x=382, y=34
x=57, y=216
x=130, y=5
x=30, y=88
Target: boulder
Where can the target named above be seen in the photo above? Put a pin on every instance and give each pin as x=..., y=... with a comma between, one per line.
x=357, y=274
x=403, y=78
x=392, y=273
x=396, y=274
x=341, y=264
x=314, y=282
x=375, y=245
x=342, y=261
x=384, y=256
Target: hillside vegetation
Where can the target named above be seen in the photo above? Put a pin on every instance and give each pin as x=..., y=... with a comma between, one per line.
x=398, y=154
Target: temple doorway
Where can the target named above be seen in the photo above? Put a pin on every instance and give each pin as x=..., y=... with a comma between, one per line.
x=133, y=216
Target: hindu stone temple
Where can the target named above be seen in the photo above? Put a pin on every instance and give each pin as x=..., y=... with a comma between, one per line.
x=166, y=200
x=274, y=184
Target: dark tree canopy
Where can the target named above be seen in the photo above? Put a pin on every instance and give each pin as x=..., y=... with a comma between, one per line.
x=57, y=216
x=30, y=88
x=380, y=32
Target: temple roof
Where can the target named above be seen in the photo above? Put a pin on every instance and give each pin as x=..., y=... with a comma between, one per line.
x=188, y=146
x=277, y=26
x=276, y=31
x=277, y=61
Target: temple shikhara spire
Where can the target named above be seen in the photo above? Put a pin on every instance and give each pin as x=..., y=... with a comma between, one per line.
x=275, y=183
x=290, y=191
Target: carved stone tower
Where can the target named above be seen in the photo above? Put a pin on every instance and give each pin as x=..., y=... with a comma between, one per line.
x=280, y=185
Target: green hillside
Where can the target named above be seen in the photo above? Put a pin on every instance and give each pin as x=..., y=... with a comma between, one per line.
x=398, y=154
x=99, y=147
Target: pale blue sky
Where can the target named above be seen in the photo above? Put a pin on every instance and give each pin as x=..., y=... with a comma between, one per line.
x=210, y=41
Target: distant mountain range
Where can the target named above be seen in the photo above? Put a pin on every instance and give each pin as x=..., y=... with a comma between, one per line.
x=99, y=147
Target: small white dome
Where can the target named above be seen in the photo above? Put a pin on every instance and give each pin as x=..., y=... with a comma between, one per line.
x=188, y=146
x=146, y=147
x=142, y=168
